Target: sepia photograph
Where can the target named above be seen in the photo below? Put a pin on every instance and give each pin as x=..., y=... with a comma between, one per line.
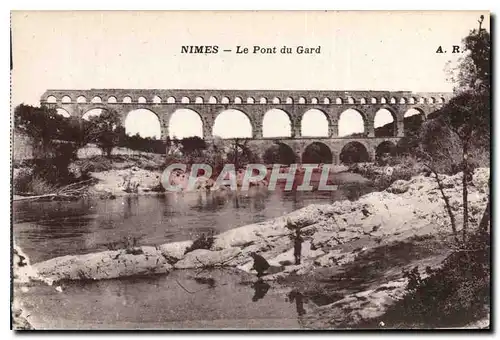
x=250, y=170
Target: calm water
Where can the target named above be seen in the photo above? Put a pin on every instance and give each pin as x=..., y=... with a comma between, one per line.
x=48, y=229
x=235, y=300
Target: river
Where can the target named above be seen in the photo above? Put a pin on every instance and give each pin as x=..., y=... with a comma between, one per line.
x=48, y=229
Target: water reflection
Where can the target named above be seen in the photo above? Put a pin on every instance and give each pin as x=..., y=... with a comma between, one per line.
x=261, y=289
x=299, y=299
x=48, y=229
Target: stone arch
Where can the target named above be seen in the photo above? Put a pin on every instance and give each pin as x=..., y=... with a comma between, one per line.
x=142, y=100
x=81, y=99
x=339, y=101
x=127, y=100
x=51, y=99
x=383, y=100
x=185, y=100
x=112, y=100
x=326, y=100
x=185, y=123
x=314, y=100
x=66, y=99
x=198, y=100
x=96, y=100
x=156, y=99
x=314, y=123
x=350, y=100
x=63, y=112
x=279, y=153
x=237, y=100
x=421, y=100
x=224, y=100
x=393, y=100
x=212, y=100
x=93, y=112
x=232, y=123
x=384, y=149
x=442, y=100
x=431, y=100
x=276, y=123
x=373, y=100
x=171, y=100
x=263, y=100
x=362, y=101
x=384, y=123
x=351, y=122
x=144, y=122
x=317, y=153
x=354, y=152
x=302, y=100
x=412, y=100
x=402, y=100
x=250, y=100
x=413, y=119
x=289, y=100
x=276, y=100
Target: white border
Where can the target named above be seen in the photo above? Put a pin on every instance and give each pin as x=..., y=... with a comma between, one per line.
x=6, y=6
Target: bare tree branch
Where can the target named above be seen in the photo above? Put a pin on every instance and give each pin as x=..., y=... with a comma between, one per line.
x=446, y=202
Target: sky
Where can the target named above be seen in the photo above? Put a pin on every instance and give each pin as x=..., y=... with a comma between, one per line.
x=359, y=51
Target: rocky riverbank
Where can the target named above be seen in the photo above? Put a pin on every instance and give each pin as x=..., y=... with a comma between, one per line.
x=364, y=245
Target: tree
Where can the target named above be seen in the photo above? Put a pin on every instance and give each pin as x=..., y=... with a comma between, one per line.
x=474, y=69
x=354, y=152
x=466, y=116
x=42, y=124
x=239, y=154
x=316, y=153
x=193, y=144
x=279, y=153
x=104, y=130
x=462, y=126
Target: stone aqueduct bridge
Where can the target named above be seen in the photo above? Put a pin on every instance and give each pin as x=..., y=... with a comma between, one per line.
x=255, y=103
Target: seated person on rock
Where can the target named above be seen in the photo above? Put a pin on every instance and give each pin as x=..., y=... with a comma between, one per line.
x=259, y=264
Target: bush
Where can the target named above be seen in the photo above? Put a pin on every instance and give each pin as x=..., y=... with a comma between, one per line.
x=202, y=242
x=454, y=295
x=27, y=182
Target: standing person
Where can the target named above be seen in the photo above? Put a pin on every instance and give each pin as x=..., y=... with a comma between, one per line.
x=297, y=246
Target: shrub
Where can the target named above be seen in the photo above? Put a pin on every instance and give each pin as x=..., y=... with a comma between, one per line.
x=202, y=242
x=27, y=182
x=453, y=295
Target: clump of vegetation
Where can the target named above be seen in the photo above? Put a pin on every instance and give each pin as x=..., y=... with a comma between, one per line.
x=397, y=168
x=459, y=292
x=453, y=295
x=27, y=183
x=202, y=242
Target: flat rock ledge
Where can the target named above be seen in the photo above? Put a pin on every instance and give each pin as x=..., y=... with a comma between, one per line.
x=103, y=265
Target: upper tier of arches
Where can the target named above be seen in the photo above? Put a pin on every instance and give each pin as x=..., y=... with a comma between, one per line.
x=160, y=97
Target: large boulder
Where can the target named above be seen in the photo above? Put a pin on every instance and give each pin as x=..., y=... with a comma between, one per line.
x=173, y=252
x=104, y=265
